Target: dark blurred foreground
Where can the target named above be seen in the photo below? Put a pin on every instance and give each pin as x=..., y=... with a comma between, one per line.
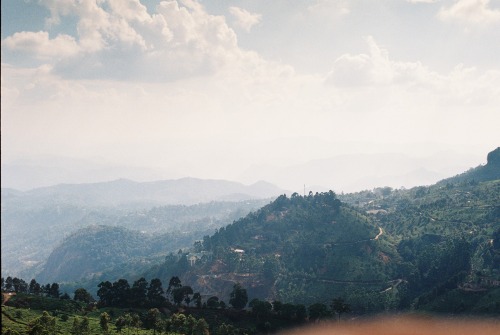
x=403, y=326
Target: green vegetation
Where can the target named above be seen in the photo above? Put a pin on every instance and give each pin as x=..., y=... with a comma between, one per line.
x=40, y=224
x=123, y=310
x=298, y=259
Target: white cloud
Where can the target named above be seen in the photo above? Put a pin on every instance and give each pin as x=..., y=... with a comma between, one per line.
x=378, y=78
x=375, y=68
x=41, y=46
x=471, y=11
x=244, y=19
x=120, y=39
x=74, y=104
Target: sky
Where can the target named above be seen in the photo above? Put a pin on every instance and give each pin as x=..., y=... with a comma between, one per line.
x=213, y=89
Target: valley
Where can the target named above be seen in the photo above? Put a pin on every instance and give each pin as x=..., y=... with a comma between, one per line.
x=426, y=250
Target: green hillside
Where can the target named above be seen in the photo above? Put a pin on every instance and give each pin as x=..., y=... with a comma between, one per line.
x=297, y=249
x=40, y=231
x=380, y=250
x=429, y=249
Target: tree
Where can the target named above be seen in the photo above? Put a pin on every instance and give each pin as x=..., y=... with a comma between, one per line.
x=201, y=327
x=135, y=321
x=340, y=307
x=261, y=309
x=120, y=293
x=213, y=302
x=75, y=328
x=8, y=284
x=104, y=321
x=238, y=297
x=43, y=325
x=174, y=283
x=16, y=284
x=182, y=294
x=288, y=311
x=34, y=287
x=138, y=292
x=318, y=311
x=152, y=321
x=120, y=323
x=105, y=293
x=19, y=285
x=82, y=295
x=226, y=329
x=54, y=290
x=197, y=299
x=277, y=305
x=178, y=323
x=80, y=327
x=46, y=290
x=300, y=313
x=85, y=326
x=155, y=293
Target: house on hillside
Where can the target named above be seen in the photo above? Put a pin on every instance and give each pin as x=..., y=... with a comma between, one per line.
x=194, y=257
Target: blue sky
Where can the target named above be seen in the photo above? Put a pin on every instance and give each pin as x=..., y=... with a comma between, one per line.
x=210, y=88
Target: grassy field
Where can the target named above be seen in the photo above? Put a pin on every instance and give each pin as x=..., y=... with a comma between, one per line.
x=18, y=319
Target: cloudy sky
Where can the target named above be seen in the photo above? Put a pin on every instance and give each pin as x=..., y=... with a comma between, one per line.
x=211, y=88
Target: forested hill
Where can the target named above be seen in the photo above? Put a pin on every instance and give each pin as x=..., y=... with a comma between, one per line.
x=488, y=172
x=98, y=249
x=299, y=249
x=430, y=247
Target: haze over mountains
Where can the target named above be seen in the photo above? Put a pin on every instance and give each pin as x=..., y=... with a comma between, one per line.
x=428, y=249
x=35, y=221
x=386, y=249
x=341, y=172
x=126, y=193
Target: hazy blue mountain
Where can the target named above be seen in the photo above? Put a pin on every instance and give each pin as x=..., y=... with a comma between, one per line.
x=356, y=172
x=47, y=170
x=35, y=221
x=131, y=194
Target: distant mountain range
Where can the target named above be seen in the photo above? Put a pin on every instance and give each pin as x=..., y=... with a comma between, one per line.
x=430, y=248
x=356, y=172
x=339, y=172
x=127, y=193
x=36, y=221
x=381, y=248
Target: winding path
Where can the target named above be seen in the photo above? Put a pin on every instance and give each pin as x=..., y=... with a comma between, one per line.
x=380, y=232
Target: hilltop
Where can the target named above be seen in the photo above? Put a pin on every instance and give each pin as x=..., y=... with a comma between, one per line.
x=296, y=249
x=428, y=247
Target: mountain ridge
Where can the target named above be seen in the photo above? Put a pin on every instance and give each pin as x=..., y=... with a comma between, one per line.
x=125, y=192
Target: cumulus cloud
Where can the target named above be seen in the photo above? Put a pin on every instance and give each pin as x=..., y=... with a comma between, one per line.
x=471, y=11
x=41, y=46
x=120, y=39
x=376, y=68
x=244, y=19
x=385, y=85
